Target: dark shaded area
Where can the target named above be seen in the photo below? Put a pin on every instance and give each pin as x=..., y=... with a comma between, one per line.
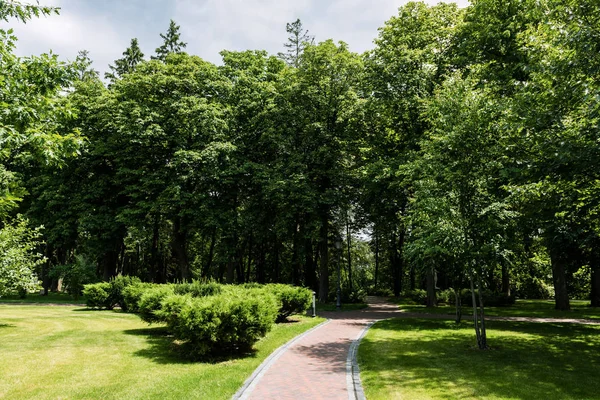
x=163, y=349
x=556, y=360
x=7, y=326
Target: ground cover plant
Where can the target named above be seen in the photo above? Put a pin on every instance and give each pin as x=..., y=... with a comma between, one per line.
x=434, y=359
x=521, y=308
x=76, y=353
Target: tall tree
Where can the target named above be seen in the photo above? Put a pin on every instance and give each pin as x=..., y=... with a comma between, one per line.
x=132, y=56
x=298, y=39
x=171, y=42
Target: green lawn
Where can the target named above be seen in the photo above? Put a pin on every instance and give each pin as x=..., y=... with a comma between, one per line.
x=75, y=353
x=522, y=308
x=35, y=298
x=436, y=359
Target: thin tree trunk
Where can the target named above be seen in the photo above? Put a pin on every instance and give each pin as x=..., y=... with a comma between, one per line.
x=559, y=277
x=505, y=279
x=178, y=245
x=310, y=266
x=211, y=252
x=431, y=297
x=595, y=281
x=457, y=303
x=349, y=240
x=483, y=343
x=475, y=317
x=324, y=259
x=376, y=260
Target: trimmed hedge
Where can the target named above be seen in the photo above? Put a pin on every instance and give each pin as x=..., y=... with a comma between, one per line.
x=133, y=293
x=198, y=289
x=150, y=305
x=291, y=299
x=97, y=295
x=118, y=285
x=224, y=323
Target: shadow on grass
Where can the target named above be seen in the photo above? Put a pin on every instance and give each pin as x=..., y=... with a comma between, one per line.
x=526, y=360
x=7, y=326
x=164, y=350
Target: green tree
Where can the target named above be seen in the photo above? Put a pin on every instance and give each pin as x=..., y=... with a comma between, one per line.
x=298, y=40
x=171, y=42
x=132, y=56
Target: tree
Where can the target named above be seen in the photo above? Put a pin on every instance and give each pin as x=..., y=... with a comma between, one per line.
x=83, y=66
x=132, y=56
x=298, y=39
x=171, y=43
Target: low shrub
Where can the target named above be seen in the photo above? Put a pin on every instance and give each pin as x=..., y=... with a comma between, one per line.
x=132, y=294
x=417, y=296
x=291, y=299
x=534, y=288
x=198, y=289
x=381, y=292
x=355, y=296
x=228, y=322
x=150, y=302
x=490, y=299
x=98, y=295
x=445, y=296
x=118, y=285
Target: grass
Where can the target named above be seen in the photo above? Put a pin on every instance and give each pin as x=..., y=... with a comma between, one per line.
x=34, y=298
x=522, y=308
x=345, y=307
x=436, y=359
x=76, y=353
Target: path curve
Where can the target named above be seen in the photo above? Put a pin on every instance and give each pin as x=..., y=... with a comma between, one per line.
x=320, y=365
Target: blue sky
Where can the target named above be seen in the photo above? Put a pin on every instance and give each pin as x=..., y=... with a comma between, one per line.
x=105, y=27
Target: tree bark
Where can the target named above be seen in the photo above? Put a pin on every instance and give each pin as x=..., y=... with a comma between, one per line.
x=324, y=259
x=431, y=297
x=178, y=245
x=559, y=277
x=376, y=260
x=211, y=252
x=595, y=283
x=349, y=241
x=505, y=279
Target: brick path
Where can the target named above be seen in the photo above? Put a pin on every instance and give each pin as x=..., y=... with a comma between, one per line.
x=314, y=367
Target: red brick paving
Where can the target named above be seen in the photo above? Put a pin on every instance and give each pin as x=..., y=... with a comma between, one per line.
x=315, y=366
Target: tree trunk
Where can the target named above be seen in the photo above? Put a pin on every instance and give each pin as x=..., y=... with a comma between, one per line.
x=431, y=297
x=505, y=279
x=376, y=260
x=483, y=335
x=475, y=316
x=178, y=246
x=211, y=252
x=559, y=277
x=324, y=259
x=295, y=254
x=310, y=266
x=349, y=240
x=458, y=305
x=109, y=264
x=595, y=283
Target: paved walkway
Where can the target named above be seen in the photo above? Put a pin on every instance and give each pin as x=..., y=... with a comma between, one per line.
x=314, y=367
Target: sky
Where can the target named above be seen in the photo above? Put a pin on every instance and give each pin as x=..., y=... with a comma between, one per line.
x=105, y=27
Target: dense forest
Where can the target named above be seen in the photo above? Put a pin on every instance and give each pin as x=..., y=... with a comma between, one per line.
x=461, y=151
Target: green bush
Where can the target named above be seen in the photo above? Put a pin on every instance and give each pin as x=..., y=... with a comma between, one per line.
x=170, y=308
x=445, y=296
x=227, y=322
x=198, y=289
x=417, y=296
x=75, y=275
x=118, y=285
x=534, y=288
x=291, y=299
x=132, y=295
x=97, y=295
x=381, y=292
x=490, y=299
x=150, y=302
x=354, y=297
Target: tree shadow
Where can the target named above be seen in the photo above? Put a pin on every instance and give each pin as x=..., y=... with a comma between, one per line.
x=331, y=357
x=164, y=349
x=7, y=326
x=526, y=360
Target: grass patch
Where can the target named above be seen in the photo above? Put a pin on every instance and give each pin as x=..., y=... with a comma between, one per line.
x=345, y=307
x=436, y=359
x=35, y=298
x=522, y=308
x=76, y=353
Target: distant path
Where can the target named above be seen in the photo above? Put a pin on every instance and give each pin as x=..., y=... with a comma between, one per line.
x=318, y=366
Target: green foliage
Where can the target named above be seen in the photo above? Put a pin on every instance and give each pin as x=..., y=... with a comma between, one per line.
x=117, y=287
x=19, y=256
x=417, y=296
x=132, y=295
x=225, y=323
x=355, y=296
x=75, y=275
x=150, y=301
x=98, y=295
x=171, y=42
x=198, y=288
x=292, y=300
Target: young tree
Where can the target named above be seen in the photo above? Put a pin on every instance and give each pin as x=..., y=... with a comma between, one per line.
x=132, y=56
x=298, y=39
x=171, y=43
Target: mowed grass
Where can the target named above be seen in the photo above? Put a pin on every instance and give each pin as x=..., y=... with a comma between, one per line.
x=74, y=353
x=35, y=298
x=521, y=308
x=407, y=358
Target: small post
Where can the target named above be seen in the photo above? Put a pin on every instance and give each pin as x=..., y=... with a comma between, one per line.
x=314, y=305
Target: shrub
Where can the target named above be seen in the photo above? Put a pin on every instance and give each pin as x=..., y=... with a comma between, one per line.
x=291, y=299
x=445, y=296
x=150, y=302
x=198, y=289
x=355, y=296
x=117, y=285
x=381, y=292
x=228, y=322
x=534, y=288
x=490, y=299
x=170, y=308
x=417, y=296
x=97, y=295
x=132, y=294
x=75, y=275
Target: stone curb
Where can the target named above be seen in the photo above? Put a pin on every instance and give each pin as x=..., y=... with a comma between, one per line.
x=244, y=392
x=353, y=383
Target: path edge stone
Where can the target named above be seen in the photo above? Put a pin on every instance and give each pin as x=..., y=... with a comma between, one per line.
x=251, y=382
x=353, y=382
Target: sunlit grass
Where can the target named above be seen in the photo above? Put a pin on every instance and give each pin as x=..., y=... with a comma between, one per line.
x=522, y=308
x=435, y=359
x=75, y=353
